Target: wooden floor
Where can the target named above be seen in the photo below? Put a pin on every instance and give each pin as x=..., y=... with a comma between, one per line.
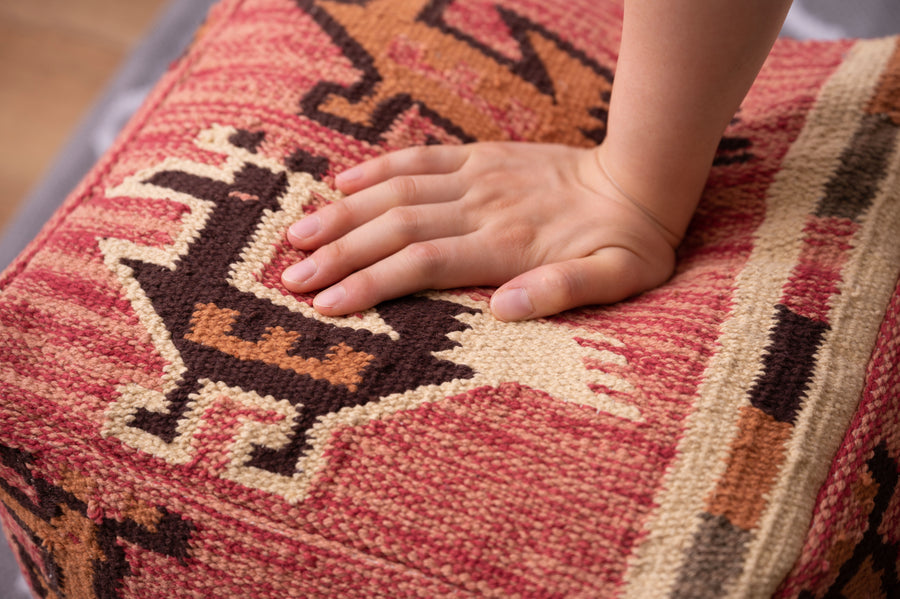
x=55, y=58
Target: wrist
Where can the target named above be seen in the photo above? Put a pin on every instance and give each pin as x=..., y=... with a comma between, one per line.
x=671, y=235
x=666, y=190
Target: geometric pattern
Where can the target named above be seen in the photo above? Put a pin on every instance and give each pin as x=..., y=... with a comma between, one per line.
x=232, y=345
x=871, y=569
x=46, y=518
x=738, y=516
x=854, y=553
x=173, y=422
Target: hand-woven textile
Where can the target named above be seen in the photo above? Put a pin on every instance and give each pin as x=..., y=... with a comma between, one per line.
x=173, y=423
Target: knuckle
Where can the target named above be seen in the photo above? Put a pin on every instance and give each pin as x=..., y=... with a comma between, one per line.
x=481, y=202
x=492, y=186
x=490, y=150
x=480, y=156
x=338, y=213
x=404, y=220
x=566, y=283
x=403, y=188
x=417, y=156
x=385, y=164
x=332, y=253
x=362, y=285
x=426, y=258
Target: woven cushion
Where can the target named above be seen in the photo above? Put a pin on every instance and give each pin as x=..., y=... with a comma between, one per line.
x=173, y=423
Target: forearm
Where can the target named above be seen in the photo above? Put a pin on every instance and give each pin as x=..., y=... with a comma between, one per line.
x=684, y=68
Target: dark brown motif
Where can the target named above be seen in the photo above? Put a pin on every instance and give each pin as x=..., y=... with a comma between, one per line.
x=79, y=556
x=871, y=570
x=243, y=341
x=589, y=120
x=528, y=67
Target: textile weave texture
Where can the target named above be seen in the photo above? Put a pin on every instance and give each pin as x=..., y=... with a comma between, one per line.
x=174, y=423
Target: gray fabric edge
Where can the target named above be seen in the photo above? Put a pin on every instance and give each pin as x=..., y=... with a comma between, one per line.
x=168, y=38
x=166, y=41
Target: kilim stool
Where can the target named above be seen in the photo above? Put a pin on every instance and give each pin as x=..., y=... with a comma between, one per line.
x=175, y=423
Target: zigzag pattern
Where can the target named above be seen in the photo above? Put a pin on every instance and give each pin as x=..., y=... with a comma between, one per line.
x=530, y=67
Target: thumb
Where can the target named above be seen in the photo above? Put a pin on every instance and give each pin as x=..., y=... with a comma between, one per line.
x=610, y=275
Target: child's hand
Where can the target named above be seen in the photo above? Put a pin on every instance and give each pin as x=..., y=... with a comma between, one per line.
x=541, y=221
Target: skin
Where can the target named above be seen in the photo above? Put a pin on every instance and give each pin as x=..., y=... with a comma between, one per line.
x=548, y=224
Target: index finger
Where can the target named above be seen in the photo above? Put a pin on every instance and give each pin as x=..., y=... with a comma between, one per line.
x=420, y=160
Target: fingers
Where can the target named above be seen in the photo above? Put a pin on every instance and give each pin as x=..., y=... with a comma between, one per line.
x=332, y=221
x=423, y=160
x=385, y=235
x=610, y=275
x=436, y=264
x=455, y=216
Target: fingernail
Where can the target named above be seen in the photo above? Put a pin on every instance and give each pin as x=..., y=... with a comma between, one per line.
x=351, y=174
x=300, y=272
x=512, y=304
x=306, y=227
x=330, y=298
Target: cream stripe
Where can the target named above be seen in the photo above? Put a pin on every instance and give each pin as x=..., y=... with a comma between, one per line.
x=710, y=429
x=868, y=282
